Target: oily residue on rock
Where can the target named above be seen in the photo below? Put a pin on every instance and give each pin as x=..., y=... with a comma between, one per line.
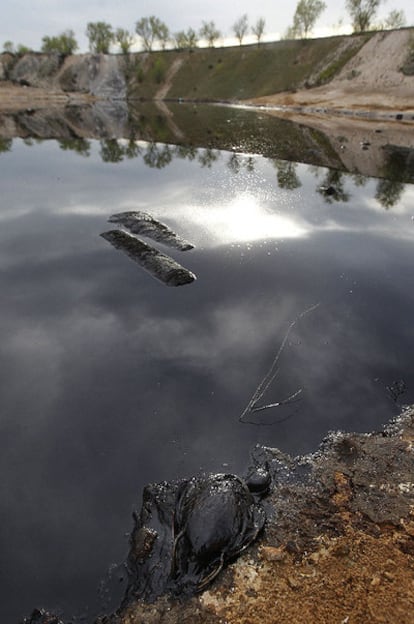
x=188, y=531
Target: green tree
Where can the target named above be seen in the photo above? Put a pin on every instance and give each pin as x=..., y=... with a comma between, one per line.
x=240, y=28
x=151, y=29
x=290, y=33
x=8, y=46
x=100, y=37
x=209, y=32
x=65, y=43
x=22, y=49
x=124, y=39
x=362, y=13
x=258, y=29
x=395, y=19
x=304, y=19
x=163, y=34
x=186, y=40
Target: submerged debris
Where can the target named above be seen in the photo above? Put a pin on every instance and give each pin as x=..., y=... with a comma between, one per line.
x=156, y=263
x=40, y=616
x=144, y=224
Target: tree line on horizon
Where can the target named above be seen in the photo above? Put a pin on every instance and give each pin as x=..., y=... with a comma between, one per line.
x=153, y=32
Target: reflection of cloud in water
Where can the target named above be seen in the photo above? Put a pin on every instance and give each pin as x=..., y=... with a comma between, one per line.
x=107, y=384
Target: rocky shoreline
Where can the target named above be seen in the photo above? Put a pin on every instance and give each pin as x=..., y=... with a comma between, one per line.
x=338, y=544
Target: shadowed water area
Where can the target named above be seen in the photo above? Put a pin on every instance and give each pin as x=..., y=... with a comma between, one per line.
x=110, y=380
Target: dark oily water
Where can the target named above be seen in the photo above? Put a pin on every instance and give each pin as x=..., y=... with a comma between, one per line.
x=110, y=380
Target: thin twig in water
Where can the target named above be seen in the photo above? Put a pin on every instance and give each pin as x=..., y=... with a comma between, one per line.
x=290, y=399
x=271, y=375
x=277, y=421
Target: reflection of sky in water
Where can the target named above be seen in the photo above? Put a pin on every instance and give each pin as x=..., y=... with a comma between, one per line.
x=110, y=380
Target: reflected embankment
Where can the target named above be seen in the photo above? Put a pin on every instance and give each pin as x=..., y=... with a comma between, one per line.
x=375, y=150
x=145, y=134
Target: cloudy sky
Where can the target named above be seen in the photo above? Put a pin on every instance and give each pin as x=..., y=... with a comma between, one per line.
x=27, y=21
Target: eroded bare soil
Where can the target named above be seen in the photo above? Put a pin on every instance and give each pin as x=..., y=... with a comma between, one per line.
x=372, y=82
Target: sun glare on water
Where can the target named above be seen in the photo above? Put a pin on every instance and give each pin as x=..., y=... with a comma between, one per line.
x=243, y=219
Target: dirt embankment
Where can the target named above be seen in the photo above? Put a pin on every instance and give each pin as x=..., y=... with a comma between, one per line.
x=320, y=75
x=370, y=85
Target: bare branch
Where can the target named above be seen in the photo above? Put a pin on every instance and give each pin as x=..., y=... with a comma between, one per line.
x=272, y=374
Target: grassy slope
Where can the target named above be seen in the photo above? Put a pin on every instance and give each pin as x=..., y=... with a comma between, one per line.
x=241, y=72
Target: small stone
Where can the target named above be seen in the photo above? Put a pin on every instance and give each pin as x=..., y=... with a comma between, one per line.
x=341, y=550
x=270, y=553
x=390, y=577
x=293, y=583
x=314, y=557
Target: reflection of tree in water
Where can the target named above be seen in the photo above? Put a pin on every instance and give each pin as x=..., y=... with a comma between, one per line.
x=29, y=141
x=389, y=192
x=78, y=145
x=237, y=161
x=133, y=149
x=208, y=157
x=111, y=151
x=234, y=163
x=315, y=170
x=250, y=164
x=287, y=178
x=158, y=156
x=332, y=187
x=5, y=145
x=187, y=152
x=359, y=179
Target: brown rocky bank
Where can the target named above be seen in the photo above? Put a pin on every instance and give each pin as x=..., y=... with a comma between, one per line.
x=338, y=546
